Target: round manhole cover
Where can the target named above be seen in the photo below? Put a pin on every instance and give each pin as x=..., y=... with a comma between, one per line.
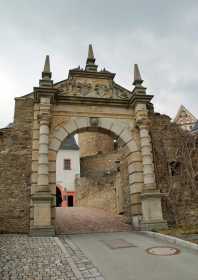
x=163, y=251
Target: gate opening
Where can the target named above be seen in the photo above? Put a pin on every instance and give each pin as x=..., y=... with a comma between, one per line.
x=91, y=175
x=58, y=197
x=70, y=202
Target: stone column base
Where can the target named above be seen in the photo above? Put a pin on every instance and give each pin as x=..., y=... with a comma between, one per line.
x=152, y=211
x=153, y=225
x=42, y=222
x=42, y=231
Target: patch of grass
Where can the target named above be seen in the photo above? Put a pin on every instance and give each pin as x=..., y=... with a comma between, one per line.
x=154, y=230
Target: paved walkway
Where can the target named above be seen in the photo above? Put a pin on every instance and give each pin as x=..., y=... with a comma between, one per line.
x=85, y=220
x=96, y=256
x=134, y=263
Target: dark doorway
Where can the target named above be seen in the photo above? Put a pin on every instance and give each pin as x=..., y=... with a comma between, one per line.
x=70, y=201
x=58, y=198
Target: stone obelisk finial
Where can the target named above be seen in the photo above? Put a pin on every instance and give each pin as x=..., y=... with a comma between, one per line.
x=46, y=74
x=46, y=70
x=137, y=77
x=91, y=54
x=47, y=65
x=90, y=64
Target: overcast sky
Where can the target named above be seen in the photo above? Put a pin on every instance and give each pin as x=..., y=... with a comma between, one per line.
x=161, y=36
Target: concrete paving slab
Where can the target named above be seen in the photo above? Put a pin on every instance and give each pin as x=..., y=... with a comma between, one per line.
x=134, y=263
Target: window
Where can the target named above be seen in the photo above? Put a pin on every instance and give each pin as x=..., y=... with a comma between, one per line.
x=175, y=168
x=115, y=144
x=67, y=164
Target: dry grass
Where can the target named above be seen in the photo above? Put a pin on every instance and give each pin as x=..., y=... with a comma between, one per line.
x=180, y=230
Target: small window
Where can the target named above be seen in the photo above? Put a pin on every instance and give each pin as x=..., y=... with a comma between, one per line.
x=175, y=168
x=67, y=164
x=115, y=144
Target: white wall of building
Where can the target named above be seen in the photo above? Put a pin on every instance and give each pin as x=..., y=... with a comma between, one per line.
x=66, y=178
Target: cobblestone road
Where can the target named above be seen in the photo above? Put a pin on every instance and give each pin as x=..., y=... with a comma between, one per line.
x=43, y=258
x=85, y=220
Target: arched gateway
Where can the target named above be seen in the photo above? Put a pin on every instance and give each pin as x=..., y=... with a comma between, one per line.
x=91, y=100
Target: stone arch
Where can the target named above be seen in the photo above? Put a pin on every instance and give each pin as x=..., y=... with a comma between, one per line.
x=123, y=131
x=119, y=128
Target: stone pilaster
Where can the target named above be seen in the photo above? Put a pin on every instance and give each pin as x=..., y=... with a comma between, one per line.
x=42, y=196
x=136, y=181
x=43, y=153
x=151, y=196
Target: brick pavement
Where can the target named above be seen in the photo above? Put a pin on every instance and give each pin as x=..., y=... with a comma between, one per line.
x=85, y=220
x=43, y=258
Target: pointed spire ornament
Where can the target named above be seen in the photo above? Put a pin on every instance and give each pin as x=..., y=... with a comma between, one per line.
x=46, y=74
x=90, y=64
x=137, y=77
x=90, y=53
x=47, y=65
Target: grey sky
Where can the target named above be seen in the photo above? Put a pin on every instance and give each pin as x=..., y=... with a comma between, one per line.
x=161, y=36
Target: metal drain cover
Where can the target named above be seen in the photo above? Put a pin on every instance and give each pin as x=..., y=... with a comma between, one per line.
x=163, y=251
x=118, y=243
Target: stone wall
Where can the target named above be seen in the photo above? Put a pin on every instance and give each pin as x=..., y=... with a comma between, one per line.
x=124, y=185
x=180, y=204
x=99, y=165
x=97, y=193
x=96, y=186
x=92, y=143
x=104, y=183
x=15, y=170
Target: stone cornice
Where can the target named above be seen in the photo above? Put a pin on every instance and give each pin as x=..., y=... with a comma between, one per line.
x=140, y=98
x=90, y=74
x=44, y=92
x=91, y=101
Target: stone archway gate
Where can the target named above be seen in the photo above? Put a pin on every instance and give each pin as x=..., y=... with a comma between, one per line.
x=90, y=99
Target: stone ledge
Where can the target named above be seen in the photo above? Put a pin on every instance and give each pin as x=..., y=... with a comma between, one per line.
x=153, y=225
x=42, y=231
x=152, y=194
x=41, y=196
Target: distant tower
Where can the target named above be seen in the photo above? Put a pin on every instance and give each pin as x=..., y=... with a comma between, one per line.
x=185, y=118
